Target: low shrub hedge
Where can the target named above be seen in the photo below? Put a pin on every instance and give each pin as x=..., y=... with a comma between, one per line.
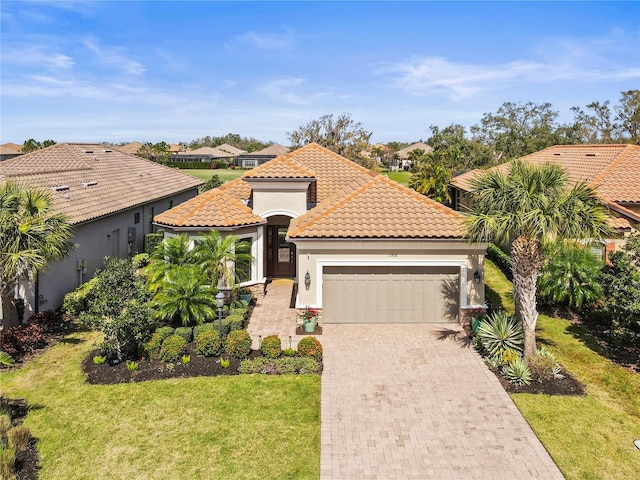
x=208, y=343
x=310, y=347
x=501, y=260
x=271, y=346
x=22, y=339
x=75, y=301
x=238, y=344
x=234, y=322
x=280, y=366
x=173, y=348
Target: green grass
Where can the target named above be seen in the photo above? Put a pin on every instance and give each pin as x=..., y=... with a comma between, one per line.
x=244, y=427
x=225, y=175
x=589, y=437
x=401, y=177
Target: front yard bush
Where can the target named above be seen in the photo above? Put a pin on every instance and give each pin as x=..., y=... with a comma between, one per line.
x=271, y=346
x=203, y=327
x=310, y=347
x=185, y=332
x=208, y=343
x=500, y=259
x=280, y=366
x=173, y=348
x=238, y=344
x=233, y=322
x=77, y=300
x=499, y=332
x=23, y=339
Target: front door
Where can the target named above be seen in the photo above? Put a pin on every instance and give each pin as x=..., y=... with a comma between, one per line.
x=281, y=255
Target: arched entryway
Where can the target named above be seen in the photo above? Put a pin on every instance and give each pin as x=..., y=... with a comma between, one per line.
x=281, y=254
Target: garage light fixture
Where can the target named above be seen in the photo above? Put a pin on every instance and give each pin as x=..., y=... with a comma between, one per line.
x=637, y=443
x=476, y=276
x=307, y=280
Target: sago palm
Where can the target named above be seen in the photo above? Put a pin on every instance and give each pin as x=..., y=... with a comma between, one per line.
x=526, y=207
x=186, y=295
x=32, y=235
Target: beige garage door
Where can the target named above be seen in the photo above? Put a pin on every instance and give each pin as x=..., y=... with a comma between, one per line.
x=390, y=294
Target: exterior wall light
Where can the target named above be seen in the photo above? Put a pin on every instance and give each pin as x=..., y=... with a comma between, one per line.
x=476, y=276
x=307, y=280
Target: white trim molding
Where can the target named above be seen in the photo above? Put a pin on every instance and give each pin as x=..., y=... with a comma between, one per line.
x=272, y=213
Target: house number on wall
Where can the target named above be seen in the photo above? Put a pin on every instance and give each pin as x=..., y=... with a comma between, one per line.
x=393, y=254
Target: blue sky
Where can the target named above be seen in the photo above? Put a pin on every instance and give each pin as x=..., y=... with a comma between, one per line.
x=175, y=71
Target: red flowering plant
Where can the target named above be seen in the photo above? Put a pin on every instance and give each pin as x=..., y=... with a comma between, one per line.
x=308, y=314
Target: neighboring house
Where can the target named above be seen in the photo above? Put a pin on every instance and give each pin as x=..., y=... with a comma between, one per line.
x=363, y=247
x=254, y=159
x=130, y=148
x=110, y=198
x=7, y=152
x=205, y=155
x=614, y=169
x=403, y=158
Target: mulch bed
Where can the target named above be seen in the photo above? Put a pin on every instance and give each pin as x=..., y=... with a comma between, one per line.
x=107, y=374
x=568, y=386
x=27, y=462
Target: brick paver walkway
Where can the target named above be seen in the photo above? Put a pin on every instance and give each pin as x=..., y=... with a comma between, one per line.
x=273, y=316
x=414, y=402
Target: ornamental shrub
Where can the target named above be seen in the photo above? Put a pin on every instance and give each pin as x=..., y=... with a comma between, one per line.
x=306, y=365
x=499, y=332
x=310, y=347
x=203, y=327
x=517, y=372
x=22, y=339
x=173, y=348
x=501, y=260
x=280, y=366
x=271, y=346
x=185, y=332
x=233, y=322
x=165, y=331
x=208, y=343
x=76, y=301
x=239, y=311
x=238, y=344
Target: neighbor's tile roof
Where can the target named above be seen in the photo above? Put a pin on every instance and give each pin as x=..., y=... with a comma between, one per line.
x=13, y=146
x=380, y=208
x=5, y=150
x=235, y=151
x=100, y=179
x=281, y=167
x=212, y=208
x=275, y=149
x=131, y=148
x=404, y=153
x=213, y=151
x=613, y=169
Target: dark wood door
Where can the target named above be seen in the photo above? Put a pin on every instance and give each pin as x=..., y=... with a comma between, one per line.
x=281, y=255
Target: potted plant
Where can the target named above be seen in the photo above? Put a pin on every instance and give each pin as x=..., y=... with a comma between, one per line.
x=309, y=318
x=244, y=294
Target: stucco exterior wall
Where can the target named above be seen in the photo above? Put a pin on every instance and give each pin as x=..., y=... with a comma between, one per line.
x=313, y=255
x=106, y=236
x=280, y=198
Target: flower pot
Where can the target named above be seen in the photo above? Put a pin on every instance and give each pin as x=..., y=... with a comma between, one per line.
x=245, y=297
x=310, y=325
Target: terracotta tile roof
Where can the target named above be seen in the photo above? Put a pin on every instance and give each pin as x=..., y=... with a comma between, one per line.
x=13, y=146
x=275, y=149
x=235, y=151
x=333, y=172
x=614, y=169
x=238, y=189
x=380, y=208
x=100, y=179
x=212, y=208
x=281, y=167
x=404, y=153
x=131, y=148
x=213, y=151
x=4, y=150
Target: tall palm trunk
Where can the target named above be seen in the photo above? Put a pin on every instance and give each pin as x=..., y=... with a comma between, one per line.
x=526, y=258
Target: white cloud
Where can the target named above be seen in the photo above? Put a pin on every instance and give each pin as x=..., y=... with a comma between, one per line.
x=113, y=56
x=36, y=56
x=282, y=89
x=267, y=41
x=565, y=59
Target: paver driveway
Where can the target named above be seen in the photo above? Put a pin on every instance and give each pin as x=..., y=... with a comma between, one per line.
x=414, y=402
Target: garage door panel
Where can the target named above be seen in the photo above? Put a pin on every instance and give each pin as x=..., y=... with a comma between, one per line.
x=390, y=294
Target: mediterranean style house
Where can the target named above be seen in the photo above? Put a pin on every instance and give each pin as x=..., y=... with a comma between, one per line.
x=362, y=248
x=613, y=169
x=109, y=197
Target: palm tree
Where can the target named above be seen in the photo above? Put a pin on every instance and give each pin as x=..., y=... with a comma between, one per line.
x=223, y=258
x=168, y=254
x=526, y=207
x=32, y=236
x=186, y=295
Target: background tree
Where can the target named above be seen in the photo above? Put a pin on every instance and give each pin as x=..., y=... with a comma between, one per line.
x=526, y=207
x=628, y=116
x=32, y=145
x=340, y=134
x=594, y=127
x=213, y=182
x=457, y=152
x=32, y=235
x=518, y=129
x=431, y=178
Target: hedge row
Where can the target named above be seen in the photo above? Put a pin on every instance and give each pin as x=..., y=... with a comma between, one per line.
x=501, y=260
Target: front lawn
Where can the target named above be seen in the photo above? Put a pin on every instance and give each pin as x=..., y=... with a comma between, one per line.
x=225, y=174
x=589, y=437
x=244, y=426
